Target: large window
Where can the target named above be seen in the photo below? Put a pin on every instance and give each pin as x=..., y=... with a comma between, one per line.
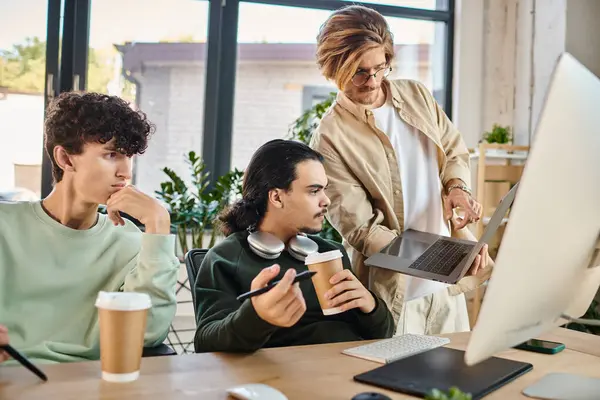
x=420, y=53
x=219, y=78
x=22, y=77
x=153, y=57
x=275, y=66
x=277, y=76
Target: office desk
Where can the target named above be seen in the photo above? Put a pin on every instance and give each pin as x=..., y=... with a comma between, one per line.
x=310, y=372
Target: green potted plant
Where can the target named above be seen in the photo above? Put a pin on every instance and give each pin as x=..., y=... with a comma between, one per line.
x=500, y=135
x=302, y=130
x=303, y=127
x=194, y=208
x=453, y=393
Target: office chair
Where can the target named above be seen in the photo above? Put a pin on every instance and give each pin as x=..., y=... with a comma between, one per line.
x=160, y=350
x=193, y=260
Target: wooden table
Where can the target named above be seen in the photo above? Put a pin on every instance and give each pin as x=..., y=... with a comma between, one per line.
x=309, y=372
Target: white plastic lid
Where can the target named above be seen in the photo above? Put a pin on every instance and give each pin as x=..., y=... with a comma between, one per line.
x=316, y=258
x=123, y=301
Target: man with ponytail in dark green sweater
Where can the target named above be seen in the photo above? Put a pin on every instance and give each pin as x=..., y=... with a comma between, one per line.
x=283, y=197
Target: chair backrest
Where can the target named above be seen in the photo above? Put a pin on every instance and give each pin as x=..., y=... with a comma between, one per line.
x=193, y=261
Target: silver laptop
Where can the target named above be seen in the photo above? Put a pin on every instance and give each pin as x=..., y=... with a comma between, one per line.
x=435, y=257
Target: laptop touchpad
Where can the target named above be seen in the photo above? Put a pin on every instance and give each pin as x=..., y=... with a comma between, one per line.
x=405, y=248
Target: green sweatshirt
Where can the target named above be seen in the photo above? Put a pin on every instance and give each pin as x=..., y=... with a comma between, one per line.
x=50, y=276
x=225, y=324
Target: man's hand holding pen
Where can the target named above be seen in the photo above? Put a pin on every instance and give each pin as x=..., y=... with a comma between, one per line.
x=282, y=306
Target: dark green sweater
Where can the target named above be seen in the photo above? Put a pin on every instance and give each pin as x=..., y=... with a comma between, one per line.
x=225, y=324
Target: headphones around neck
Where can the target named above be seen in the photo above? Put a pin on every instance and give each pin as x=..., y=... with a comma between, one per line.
x=268, y=246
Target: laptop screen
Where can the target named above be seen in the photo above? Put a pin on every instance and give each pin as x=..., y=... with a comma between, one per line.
x=499, y=214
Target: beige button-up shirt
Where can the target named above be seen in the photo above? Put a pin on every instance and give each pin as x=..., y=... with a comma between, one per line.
x=365, y=188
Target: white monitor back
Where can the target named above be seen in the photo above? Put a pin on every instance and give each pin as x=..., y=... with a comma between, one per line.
x=554, y=223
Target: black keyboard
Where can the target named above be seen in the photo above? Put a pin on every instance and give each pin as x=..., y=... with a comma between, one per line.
x=442, y=257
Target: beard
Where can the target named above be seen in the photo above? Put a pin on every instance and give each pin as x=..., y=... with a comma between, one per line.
x=368, y=89
x=311, y=231
x=314, y=231
x=365, y=95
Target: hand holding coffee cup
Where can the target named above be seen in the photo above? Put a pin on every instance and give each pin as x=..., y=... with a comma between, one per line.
x=122, y=318
x=283, y=305
x=327, y=265
x=348, y=293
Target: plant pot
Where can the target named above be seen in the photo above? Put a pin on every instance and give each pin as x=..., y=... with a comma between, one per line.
x=496, y=152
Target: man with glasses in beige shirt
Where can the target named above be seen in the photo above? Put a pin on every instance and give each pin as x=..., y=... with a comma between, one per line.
x=394, y=161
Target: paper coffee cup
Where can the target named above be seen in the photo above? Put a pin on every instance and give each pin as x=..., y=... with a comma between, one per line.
x=122, y=318
x=326, y=265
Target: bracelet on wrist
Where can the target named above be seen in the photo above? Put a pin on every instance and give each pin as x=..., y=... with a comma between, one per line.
x=462, y=187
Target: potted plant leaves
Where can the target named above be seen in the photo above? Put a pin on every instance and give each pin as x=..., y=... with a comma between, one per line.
x=453, y=393
x=194, y=207
x=500, y=135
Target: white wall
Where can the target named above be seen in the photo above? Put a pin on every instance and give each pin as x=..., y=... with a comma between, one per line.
x=548, y=44
x=468, y=69
x=505, y=53
x=523, y=75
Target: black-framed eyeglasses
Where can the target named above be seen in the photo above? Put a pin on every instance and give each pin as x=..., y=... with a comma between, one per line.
x=362, y=77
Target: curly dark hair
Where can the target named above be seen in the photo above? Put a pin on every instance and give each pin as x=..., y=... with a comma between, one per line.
x=76, y=118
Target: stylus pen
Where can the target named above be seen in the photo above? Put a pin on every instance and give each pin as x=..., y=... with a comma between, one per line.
x=23, y=361
x=302, y=276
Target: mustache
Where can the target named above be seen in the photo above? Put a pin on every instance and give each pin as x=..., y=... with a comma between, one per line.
x=368, y=89
x=322, y=213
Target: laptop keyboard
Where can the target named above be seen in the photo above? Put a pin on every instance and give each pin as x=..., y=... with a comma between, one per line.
x=442, y=257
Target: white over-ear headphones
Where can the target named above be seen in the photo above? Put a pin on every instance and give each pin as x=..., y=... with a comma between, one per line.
x=268, y=246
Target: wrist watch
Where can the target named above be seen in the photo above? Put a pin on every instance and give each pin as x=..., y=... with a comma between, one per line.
x=460, y=186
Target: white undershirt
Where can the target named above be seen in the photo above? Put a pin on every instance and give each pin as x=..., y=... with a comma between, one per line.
x=421, y=186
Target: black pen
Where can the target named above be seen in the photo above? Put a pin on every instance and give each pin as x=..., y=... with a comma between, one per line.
x=302, y=276
x=23, y=361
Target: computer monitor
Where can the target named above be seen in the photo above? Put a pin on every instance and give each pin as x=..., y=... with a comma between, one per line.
x=554, y=222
